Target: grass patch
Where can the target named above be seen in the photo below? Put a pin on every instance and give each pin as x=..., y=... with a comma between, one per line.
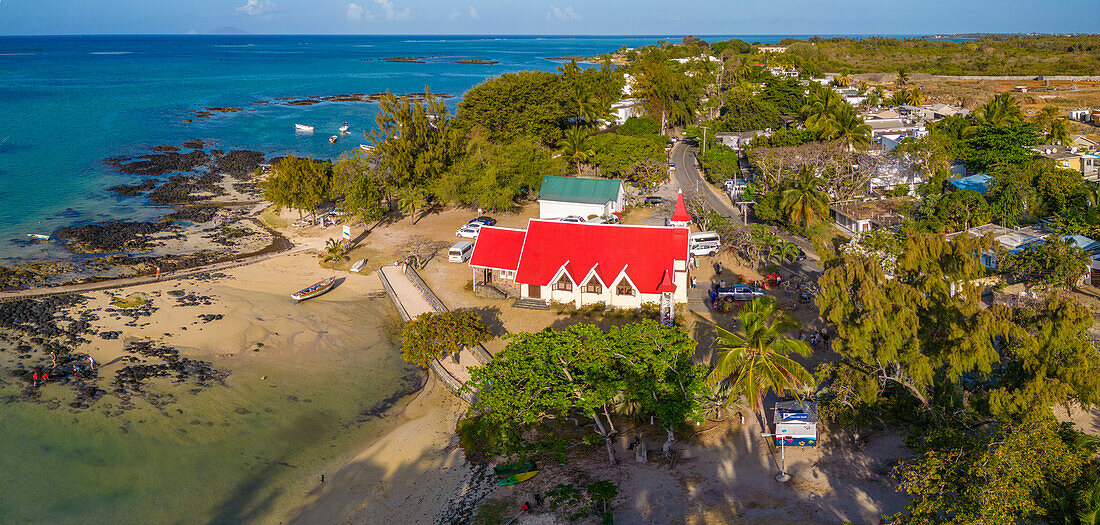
x=133, y=300
x=273, y=220
x=494, y=512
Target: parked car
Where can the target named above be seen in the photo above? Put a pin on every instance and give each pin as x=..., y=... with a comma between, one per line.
x=739, y=292
x=654, y=200
x=801, y=255
x=704, y=243
x=572, y=218
x=671, y=166
x=469, y=231
x=609, y=219
x=487, y=221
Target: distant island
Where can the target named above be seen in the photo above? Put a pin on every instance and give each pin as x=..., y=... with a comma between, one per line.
x=227, y=30
x=476, y=61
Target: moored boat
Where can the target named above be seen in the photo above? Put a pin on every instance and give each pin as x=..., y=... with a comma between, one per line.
x=332, y=139
x=365, y=147
x=514, y=468
x=38, y=236
x=303, y=128
x=344, y=127
x=314, y=290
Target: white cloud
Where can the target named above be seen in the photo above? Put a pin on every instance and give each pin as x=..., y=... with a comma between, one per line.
x=454, y=15
x=391, y=12
x=473, y=13
x=557, y=13
x=256, y=7
x=356, y=12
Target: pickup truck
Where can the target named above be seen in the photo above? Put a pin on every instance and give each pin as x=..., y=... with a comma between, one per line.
x=739, y=292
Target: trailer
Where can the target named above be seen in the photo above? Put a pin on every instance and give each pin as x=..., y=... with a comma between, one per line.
x=795, y=423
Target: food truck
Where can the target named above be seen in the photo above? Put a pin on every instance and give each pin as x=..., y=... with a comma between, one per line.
x=795, y=423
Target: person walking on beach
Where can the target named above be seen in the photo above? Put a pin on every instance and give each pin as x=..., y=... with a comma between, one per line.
x=35, y=377
x=158, y=273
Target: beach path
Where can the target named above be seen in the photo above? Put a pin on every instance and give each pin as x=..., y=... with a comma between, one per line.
x=413, y=301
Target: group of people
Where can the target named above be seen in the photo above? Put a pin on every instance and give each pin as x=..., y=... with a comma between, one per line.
x=39, y=378
x=815, y=338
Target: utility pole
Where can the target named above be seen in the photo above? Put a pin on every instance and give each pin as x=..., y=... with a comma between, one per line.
x=782, y=477
x=704, y=140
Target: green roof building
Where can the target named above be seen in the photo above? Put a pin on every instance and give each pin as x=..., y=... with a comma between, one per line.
x=574, y=196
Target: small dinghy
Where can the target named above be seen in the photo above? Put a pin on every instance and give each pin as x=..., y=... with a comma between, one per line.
x=38, y=236
x=332, y=139
x=365, y=147
x=517, y=478
x=303, y=128
x=358, y=266
x=344, y=127
x=314, y=290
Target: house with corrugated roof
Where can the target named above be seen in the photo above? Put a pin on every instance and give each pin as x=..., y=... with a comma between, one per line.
x=618, y=265
x=565, y=196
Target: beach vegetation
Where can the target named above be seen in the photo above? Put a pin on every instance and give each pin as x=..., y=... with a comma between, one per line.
x=439, y=335
x=1055, y=262
x=756, y=359
x=335, y=251
x=298, y=183
x=494, y=176
x=133, y=300
x=584, y=371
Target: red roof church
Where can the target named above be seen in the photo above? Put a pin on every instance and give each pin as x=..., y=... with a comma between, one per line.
x=582, y=263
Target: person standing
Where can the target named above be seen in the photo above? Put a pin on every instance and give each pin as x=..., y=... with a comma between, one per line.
x=693, y=283
x=158, y=273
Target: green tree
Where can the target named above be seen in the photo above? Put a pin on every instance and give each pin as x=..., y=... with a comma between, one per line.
x=1045, y=116
x=805, y=202
x=493, y=176
x=744, y=112
x=530, y=103
x=298, y=183
x=415, y=142
x=902, y=79
x=1058, y=133
x=615, y=155
x=786, y=94
x=576, y=146
x=849, y=128
x=364, y=187
x=1001, y=110
x=335, y=251
x=437, y=335
x=668, y=96
x=785, y=250
x=961, y=209
x=996, y=476
x=821, y=109
x=757, y=359
x=1055, y=262
x=635, y=126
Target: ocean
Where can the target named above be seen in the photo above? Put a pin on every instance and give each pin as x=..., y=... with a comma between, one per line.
x=69, y=102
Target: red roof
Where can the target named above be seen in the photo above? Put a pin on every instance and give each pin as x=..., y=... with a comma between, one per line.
x=667, y=284
x=497, y=248
x=645, y=253
x=681, y=213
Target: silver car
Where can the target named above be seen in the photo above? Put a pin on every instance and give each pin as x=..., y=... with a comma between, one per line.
x=469, y=231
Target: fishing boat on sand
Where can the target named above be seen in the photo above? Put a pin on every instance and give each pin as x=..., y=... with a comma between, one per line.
x=38, y=236
x=314, y=290
x=303, y=128
x=344, y=127
x=332, y=139
x=517, y=478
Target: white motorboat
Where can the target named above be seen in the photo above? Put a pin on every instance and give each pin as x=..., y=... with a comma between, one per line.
x=38, y=236
x=358, y=266
x=332, y=139
x=344, y=127
x=303, y=128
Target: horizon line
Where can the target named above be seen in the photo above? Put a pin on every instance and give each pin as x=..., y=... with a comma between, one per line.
x=629, y=35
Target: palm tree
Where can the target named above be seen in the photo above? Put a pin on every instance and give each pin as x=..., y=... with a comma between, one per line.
x=805, y=202
x=843, y=81
x=1059, y=133
x=915, y=97
x=849, y=128
x=903, y=78
x=784, y=250
x=335, y=251
x=1046, y=115
x=412, y=200
x=820, y=110
x=575, y=146
x=756, y=359
x=1000, y=110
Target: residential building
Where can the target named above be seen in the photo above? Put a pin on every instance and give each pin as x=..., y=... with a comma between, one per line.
x=1063, y=156
x=1090, y=167
x=565, y=196
x=1081, y=143
x=1008, y=240
x=739, y=139
x=582, y=263
x=864, y=216
x=895, y=126
x=772, y=49
x=625, y=109
x=1080, y=114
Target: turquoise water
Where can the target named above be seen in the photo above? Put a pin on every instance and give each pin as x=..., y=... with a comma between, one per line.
x=69, y=102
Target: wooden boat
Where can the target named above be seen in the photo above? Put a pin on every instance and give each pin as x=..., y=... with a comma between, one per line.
x=314, y=290
x=344, y=127
x=332, y=139
x=365, y=147
x=517, y=478
x=303, y=128
x=358, y=266
x=38, y=236
x=514, y=468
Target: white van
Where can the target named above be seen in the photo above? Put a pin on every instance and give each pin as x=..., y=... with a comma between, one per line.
x=460, y=252
x=704, y=243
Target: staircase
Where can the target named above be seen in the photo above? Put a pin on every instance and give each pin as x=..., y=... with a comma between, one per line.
x=531, y=304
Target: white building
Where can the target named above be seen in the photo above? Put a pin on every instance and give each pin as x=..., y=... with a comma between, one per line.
x=574, y=196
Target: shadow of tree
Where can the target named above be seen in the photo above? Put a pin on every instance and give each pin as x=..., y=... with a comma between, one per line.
x=490, y=317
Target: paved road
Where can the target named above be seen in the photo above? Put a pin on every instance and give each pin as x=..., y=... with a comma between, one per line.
x=690, y=179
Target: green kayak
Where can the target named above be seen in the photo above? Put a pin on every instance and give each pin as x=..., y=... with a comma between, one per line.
x=514, y=468
x=517, y=478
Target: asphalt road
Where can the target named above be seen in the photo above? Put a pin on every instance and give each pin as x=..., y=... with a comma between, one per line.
x=689, y=178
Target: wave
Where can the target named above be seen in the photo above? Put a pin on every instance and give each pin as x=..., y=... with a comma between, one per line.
x=111, y=53
x=234, y=45
x=15, y=54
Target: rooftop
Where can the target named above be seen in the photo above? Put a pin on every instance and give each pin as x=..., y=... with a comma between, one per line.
x=978, y=182
x=576, y=189
x=885, y=212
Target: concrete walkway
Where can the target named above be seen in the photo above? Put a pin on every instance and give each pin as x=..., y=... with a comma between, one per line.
x=413, y=302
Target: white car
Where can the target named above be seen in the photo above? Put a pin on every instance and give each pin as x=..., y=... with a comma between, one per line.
x=469, y=231
x=572, y=218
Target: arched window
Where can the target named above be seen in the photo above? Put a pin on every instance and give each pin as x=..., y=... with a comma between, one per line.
x=624, y=288
x=564, y=284
x=593, y=286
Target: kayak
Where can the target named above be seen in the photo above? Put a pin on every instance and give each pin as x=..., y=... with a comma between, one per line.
x=517, y=478
x=514, y=468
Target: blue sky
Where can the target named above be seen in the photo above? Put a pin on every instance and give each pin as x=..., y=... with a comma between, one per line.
x=643, y=17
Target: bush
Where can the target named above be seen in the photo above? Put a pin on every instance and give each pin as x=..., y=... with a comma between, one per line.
x=635, y=126
x=477, y=439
